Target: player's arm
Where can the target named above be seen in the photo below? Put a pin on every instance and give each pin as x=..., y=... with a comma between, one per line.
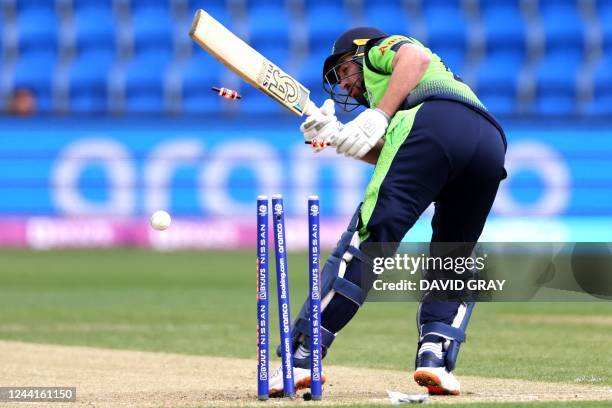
x=409, y=64
x=406, y=62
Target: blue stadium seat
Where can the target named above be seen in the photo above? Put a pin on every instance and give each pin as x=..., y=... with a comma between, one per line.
x=563, y=26
x=441, y=3
x=201, y=73
x=29, y=5
x=386, y=16
x=321, y=33
x=277, y=54
x=604, y=12
x=484, y=5
x=446, y=31
x=497, y=82
x=504, y=28
x=269, y=26
x=37, y=31
x=556, y=74
x=144, y=86
x=602, y=87
x=81, y=4
x=556, y=79
x=453, y=58
x=94, y=28
x=143, y=4
x=35, y=71
x=310, y=74
x=152, y=29
x=600, y=105
x=397, y=4
x=217, y=8
x=252, y=4
x=499, y=103
x=259, y=103
x=309, y=71
x=89, y=82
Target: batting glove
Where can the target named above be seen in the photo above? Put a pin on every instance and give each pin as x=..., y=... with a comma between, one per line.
x=361, y=134
x=322, y=127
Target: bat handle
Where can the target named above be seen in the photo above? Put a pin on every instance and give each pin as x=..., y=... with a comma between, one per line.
x=310, y=108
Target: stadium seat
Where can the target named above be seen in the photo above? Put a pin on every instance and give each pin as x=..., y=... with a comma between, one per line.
x=446, y=32
x=30, y=5
x=497, y=81
x=501, y=104
x=310, y=71
x=136, y=5
x=201, y=73
x=217, y=8
x=88, y=81
x=389, y=17
x=144, y=83
x=504, y=28
x=269, y=26
x=252, y=4
x=37, y=31
x=600, y=105
x=277, y=54
x=602, y=78
x=321, y=33
x=94, y=28
x=602, y=87
x=78, y=5
x=259, y=103
x=556, y=79
x=562, y=26
x=152, y=30
x=397, y=4
x=35, y=71
x=604, y=12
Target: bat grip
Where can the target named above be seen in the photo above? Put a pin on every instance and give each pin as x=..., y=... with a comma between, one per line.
x=310, y=108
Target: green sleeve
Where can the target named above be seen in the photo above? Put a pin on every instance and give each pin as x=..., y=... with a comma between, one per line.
x=381, y=54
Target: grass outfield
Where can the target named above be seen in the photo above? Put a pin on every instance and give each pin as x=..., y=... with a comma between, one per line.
x=204, y=303
x=582, y=404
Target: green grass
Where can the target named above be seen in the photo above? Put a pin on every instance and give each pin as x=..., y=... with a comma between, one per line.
x=204, y=303
x=577, y=404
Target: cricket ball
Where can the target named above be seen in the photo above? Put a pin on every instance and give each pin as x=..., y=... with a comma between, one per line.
x=160, y=220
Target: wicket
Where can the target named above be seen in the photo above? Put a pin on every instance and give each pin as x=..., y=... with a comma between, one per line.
x=262, y=298
x=282, y=288
x=282, y=285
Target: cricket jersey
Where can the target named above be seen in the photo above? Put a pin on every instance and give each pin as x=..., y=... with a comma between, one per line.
x=438, y=81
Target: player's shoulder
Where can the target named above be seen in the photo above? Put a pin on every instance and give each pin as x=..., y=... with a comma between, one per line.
x=381, y=46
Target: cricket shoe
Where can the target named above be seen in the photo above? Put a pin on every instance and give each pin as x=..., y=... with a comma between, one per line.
x=301, y=380
x=438, y=380
x=431, y=371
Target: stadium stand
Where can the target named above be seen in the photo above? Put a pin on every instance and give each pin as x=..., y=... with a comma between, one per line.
x=541, y=57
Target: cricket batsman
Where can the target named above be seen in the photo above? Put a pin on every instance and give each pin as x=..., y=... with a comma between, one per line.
x=432, y=141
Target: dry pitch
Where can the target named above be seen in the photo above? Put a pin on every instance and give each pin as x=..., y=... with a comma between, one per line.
x=114, y=378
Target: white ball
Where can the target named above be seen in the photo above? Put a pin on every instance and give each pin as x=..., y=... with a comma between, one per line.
x=160, y=220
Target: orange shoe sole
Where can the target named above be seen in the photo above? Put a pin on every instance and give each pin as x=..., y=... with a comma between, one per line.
x=433, y=383
x=300, y=385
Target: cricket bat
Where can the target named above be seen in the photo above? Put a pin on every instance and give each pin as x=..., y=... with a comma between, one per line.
x=249, y=64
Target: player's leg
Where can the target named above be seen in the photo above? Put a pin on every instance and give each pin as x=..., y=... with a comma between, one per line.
x=461, y=210
x=412, y=169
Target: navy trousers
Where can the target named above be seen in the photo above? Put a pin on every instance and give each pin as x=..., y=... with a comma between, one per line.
x=453, y=157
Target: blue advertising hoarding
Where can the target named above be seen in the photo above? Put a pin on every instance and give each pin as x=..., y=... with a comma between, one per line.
x=204, y=168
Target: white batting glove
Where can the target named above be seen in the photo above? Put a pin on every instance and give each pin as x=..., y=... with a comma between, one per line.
x=322, y=127
x=361, y=134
